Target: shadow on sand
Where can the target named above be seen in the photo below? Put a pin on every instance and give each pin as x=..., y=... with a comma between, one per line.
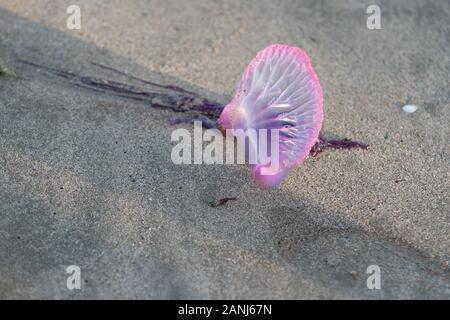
x=87, y=180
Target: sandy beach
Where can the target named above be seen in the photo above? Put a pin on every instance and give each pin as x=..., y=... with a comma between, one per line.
x=86, y=177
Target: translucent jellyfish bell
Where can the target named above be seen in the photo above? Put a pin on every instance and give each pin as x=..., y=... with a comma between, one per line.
x=278, y=90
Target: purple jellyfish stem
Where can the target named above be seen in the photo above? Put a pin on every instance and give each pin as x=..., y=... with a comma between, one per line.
x=323, y=143
x=195, y=107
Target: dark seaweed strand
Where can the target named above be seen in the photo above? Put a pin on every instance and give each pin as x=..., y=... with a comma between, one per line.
x=177, y=99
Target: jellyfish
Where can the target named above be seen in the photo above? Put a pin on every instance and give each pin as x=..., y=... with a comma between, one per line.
x=279, y=91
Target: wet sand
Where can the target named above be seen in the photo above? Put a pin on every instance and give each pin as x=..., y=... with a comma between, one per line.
x=86, y=177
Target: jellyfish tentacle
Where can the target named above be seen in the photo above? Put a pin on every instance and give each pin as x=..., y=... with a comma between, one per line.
x=323, y=143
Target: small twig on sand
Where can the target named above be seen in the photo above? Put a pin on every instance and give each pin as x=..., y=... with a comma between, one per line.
x=221, y=202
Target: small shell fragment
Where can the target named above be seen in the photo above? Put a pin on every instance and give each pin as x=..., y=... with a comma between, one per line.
x=409, y=108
